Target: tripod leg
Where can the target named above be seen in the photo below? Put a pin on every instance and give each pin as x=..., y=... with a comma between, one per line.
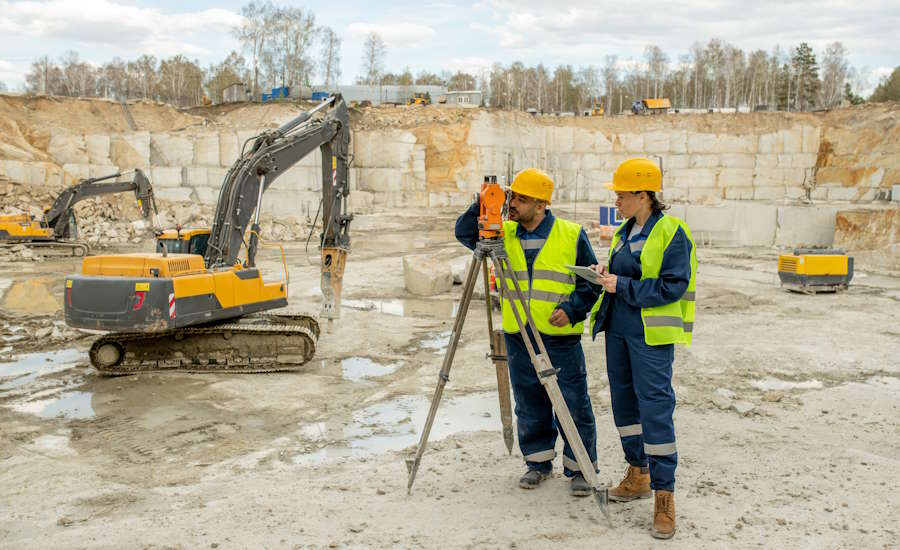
x=469, y=286
x=547, y=376
x=498, y=356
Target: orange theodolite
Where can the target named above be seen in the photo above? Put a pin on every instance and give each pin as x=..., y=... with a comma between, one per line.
x=492, y=199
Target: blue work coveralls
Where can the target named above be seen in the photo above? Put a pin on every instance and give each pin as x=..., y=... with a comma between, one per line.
x=640, y=375
x=537, y=427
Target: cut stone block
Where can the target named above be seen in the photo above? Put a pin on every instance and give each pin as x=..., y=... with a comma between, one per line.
x=427, y=275
x=171, y=150
x=206, y=150
x=177, y=194
x=68, y=148
x=97, y=146
x=165, y=176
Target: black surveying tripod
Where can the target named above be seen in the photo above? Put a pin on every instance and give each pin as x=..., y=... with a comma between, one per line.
x=490, y=246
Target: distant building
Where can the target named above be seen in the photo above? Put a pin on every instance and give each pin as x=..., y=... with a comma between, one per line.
x=466, y=98
x=397, y=95
x=236, y=93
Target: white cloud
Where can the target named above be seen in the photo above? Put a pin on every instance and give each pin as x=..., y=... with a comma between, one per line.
x=394, y=34
x=10, y=73
x=129, y=29
x=472, y=64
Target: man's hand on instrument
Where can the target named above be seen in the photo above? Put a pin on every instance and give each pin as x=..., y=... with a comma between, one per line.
x=599, y=269
x=559, y=318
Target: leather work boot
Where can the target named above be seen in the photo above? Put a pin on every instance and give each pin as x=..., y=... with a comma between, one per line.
x=579, y=486
x=663, y=515
x=636, y=484
x=532, y=479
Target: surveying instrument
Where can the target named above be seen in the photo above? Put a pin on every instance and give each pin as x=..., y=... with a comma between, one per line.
x=490, y=247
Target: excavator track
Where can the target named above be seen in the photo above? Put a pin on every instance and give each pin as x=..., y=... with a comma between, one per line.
x=251, y=344
x=53, y=248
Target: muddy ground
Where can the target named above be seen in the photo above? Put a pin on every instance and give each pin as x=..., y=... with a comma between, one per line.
x=787, y=424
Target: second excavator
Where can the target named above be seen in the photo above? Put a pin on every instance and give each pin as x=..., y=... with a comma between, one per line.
x=202, y=313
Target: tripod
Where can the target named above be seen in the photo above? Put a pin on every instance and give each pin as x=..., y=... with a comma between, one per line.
x=493, y=249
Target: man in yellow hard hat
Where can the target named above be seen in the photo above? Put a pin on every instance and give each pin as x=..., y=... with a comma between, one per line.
x=540, y=246
x=647, y=307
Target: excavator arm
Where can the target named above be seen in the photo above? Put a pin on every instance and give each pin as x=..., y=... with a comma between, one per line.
x=59, y=215
x=269, y=156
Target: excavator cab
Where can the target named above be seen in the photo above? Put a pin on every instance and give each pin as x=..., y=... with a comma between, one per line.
x=183, y=241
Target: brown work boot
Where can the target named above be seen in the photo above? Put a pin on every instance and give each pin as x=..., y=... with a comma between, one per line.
x=663, y=515
x=635, y=485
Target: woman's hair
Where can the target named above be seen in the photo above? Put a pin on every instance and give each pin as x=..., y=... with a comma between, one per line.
x=655, y=204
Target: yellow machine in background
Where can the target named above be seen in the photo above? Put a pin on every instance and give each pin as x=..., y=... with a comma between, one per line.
x=419, y=98
x=183, y=241
x=815, y=270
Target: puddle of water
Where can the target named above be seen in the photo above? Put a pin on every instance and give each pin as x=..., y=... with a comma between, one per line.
x=396, y=424
x=30, y=366
x=358, y=368
x=774, y=384
x=438, y=344
x=406, y=307
x=71, y=405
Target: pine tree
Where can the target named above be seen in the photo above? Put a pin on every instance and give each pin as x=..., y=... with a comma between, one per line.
x=889, y=89
x=806, y=72
x=850, y=96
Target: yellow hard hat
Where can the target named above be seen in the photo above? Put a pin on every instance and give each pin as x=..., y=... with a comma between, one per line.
x=638, y=174
x=534, y=183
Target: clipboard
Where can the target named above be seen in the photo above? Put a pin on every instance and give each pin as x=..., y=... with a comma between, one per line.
x=585, y=273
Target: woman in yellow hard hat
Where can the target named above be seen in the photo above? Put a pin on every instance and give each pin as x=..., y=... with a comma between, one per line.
x=647, y=306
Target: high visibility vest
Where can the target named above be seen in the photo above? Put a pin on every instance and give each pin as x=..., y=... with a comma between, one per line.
x=670, y=323
x=551, y=283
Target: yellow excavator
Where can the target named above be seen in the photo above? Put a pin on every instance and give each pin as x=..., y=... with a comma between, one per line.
x=57, y=230
x=201, y=312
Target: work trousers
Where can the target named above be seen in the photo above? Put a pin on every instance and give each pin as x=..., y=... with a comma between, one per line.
x=640, y=384
x=537, y=425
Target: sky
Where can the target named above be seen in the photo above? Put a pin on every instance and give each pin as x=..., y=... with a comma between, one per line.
x=453, y=35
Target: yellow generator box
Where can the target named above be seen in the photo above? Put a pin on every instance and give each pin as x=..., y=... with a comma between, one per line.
x=815, y=270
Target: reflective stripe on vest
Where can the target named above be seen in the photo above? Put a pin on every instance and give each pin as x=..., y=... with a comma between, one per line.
x=551, y=283
x=669, y=323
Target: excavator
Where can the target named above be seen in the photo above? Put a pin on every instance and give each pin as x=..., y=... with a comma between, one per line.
x=57, y=230
x=167, y=311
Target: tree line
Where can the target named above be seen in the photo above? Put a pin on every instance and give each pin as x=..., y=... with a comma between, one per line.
x=284, y=46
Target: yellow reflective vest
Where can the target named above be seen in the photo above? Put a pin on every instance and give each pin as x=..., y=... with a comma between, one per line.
x=669, y=323
x=551, y=282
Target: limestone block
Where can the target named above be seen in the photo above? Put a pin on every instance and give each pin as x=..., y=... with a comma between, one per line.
x=359, y=200
x=792, y=140
x=131, y=150
x=702, y=143
x=14, y=170
x=702, y=177
x=743, y=143
x=794, y=176
x=843, y=193
x=171, y=150
x=165, y=176
x=77, y=171
x=678, y=142
x=704, y=161
x=764, y=161
x=768, y=193
x=206, y=150
x=381, y=180
x=873, y=179
x=819, y=194
x=196, y=176
x=229, y=148
x=383, y=149
x=769, y=144
x=279, y=203
x=215, y=177
x=560, y=138
x=68, y=148
x=868, y=196
x=800, y=226
x=676, y=162
x=656, y=142
x=587, y=141
x=771, y=177
x=794, y=193
x=427, y=275
x=178, y=194
x=785, y=161
x=590, y=162
x=803, y=160
x=705, y=195
x=672, y=194
x=439, y=199
x=207, y=195
x=300, y=178
x=811, y=138
x=101, y=170
x=97, y=146
x=737, y=160
x=736, y=177
x=35, y=173
x=732, y=223
x=632, y=143
x=739, y=193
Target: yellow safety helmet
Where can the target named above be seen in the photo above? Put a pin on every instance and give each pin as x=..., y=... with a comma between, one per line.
x=534, y=183
x=638, y=174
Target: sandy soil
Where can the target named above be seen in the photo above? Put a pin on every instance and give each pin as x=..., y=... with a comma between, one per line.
x=787, y=425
